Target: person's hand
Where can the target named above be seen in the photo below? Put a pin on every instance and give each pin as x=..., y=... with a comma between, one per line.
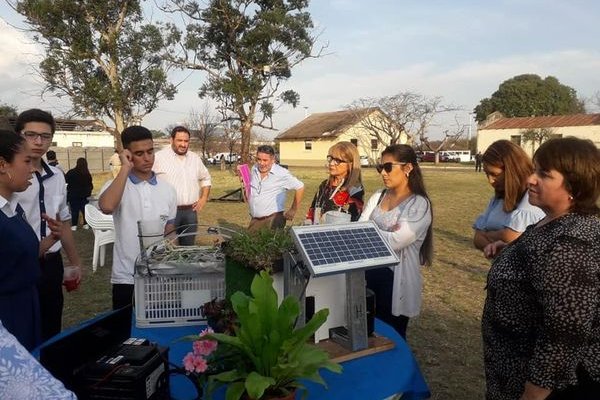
x=534, y=392
x=199, y=205
x=289, y=214
x=55, y=226
x=492, y=249
x=395, y=228
x=126, y=159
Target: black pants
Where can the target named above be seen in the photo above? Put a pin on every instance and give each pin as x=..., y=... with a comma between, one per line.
x=122, y=295
x=586, y=389
x=77, y=206
x=51, y=294
x=381, y=282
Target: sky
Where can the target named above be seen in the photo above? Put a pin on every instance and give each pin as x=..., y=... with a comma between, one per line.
x=460, y=50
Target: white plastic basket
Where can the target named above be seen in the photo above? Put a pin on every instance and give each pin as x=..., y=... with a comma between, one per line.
x=175, y=299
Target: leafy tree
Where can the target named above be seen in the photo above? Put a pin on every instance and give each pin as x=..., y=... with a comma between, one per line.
x=8, y=111
x=247, y=50
x=203, y=124
x=101, y=55
x=530, y=95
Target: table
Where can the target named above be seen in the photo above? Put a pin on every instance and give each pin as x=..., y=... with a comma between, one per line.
x=373, y=377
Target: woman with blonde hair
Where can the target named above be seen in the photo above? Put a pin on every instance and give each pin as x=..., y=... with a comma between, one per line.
x=508, y=213
x=343, y=190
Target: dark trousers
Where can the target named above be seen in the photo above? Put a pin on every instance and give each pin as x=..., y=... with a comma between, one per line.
x=186, y=221
x=381, y=282
x=273, y=221
x=77, y=205
x=586, y=389
x=51, y=294
x=122, y=295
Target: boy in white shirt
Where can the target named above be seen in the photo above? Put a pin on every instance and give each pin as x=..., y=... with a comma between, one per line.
x=134, y=195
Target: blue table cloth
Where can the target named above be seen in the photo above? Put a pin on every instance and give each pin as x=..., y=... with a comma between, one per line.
x=372, y=377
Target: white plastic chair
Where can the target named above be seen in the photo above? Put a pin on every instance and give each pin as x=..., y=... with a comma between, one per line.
x=104, y=232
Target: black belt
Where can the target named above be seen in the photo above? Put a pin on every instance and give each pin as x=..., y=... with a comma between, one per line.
x=186, y=207
x=267, y=216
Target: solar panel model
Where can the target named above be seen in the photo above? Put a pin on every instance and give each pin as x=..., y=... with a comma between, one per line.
x=332, y=249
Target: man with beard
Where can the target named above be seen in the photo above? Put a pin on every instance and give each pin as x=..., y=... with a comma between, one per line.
x=268, y=189
x=184, y=170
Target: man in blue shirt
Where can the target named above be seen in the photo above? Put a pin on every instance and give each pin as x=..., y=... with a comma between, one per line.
x=269, y=185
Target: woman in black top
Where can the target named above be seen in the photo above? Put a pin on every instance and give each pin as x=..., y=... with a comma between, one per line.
x=343, y=190
x=79, y=188
x=541, y=320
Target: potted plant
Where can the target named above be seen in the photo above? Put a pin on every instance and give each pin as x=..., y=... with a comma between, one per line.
x=271, y=355
x=248, y=253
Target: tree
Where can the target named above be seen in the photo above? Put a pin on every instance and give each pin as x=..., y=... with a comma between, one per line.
x=247, y=50
x=8, y=111
x=100, y=55
x=530, y=95
x=203, y=124
x=536, y=136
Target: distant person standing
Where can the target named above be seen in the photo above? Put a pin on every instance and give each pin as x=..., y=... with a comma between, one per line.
x=115, y=164
x=52, y=161
x=47, y=197
x=79, y=188
x=478, y=161
x=268, y=189
x=184, y=170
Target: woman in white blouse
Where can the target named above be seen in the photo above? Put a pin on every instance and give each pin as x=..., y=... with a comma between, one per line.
x=403, y=211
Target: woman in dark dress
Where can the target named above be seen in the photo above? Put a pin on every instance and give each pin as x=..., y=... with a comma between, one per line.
x=20, y=249
x=79, y=188
x=541, y=321
x=343, y=190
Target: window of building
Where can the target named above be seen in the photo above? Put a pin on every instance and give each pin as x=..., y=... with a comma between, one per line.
x=54, y=144
x=77, y=144
x=516, y=139
x=354, y=142
x=374, y=144
x=308, y=145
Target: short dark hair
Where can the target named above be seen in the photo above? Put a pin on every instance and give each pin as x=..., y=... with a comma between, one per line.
x=179, y=128
x=134, y=133
x=578, y=160
x=265, y=148
x=51, y=155
x=10, y=144
x=34, y=115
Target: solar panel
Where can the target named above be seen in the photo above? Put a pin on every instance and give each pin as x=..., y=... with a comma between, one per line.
x=331, y=249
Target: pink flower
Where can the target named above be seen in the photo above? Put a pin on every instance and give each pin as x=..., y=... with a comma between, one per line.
x=204, y=347
x=206, y=331
x=194, y=363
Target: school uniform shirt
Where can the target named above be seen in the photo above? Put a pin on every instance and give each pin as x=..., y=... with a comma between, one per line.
x=46, y=195
x=185, y=173
x=149, y=200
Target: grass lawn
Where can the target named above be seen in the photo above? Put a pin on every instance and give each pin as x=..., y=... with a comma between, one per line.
x=445, y=337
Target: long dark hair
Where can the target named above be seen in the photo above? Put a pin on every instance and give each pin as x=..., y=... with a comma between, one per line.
x=81, y=167
x=406, y=154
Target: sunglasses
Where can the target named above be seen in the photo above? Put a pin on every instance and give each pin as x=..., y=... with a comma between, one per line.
x=335, y=161
x=387, y=167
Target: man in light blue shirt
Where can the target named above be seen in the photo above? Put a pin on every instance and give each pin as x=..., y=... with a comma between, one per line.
x=268, y=189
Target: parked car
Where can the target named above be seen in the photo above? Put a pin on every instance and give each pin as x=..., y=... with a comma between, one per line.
x=229, y=158
x=364, y=161
x=429, y=156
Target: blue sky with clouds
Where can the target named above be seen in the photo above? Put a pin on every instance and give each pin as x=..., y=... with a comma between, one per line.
x=460, y=50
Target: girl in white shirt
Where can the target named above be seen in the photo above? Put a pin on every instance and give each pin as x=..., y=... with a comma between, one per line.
x=403, y=211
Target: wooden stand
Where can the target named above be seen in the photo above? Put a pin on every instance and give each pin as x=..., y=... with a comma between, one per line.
x=339, y=353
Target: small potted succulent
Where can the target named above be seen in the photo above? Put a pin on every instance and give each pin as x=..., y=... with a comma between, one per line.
x=268, y=357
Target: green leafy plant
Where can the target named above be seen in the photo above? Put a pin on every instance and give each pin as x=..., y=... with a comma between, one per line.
x=260, y=250
x=272, y=355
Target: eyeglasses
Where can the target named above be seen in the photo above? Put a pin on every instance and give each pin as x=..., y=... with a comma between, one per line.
x=44, y=137
x=387, y=167
x=335, y=160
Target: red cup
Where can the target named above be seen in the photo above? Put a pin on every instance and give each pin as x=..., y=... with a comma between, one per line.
x=70, y=278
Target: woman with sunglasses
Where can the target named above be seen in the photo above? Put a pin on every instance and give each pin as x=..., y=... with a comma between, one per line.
x=343, y=190
x=508, y=213
x=20, y=251
x=403, y=212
